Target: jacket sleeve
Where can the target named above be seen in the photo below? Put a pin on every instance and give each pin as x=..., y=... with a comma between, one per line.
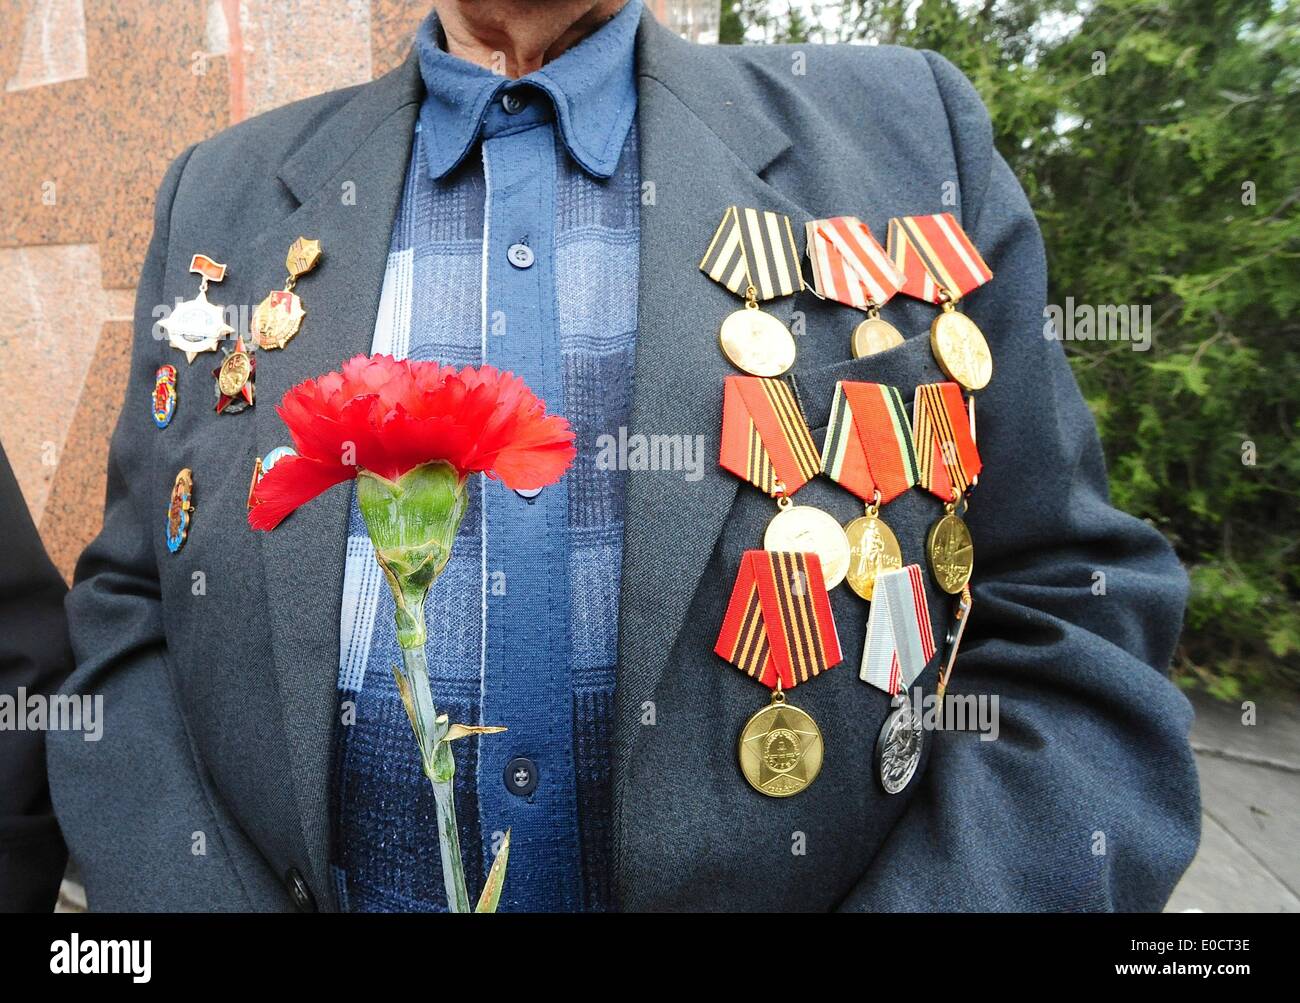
x=1088, y=798
x=34, y=659
x=119, y=798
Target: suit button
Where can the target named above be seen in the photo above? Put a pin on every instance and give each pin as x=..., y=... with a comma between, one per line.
x=303, y=900
x=520, y=776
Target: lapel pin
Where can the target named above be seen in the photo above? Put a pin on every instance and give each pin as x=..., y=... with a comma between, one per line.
x=179, y=509
x=164, y=395
x=278, y=317
x=263, y=465
x=196, y=325
x=235, y=379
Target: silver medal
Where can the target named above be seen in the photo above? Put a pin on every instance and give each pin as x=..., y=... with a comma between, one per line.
x=898, y=748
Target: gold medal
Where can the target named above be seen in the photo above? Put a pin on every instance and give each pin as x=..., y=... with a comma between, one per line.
x=757, y=342
x=951, y=551
x=873, y=548
x=874, y=336
x=279, y=316
x=804, y=529
x=780, y=749
x=753, y=254
x=960, y=349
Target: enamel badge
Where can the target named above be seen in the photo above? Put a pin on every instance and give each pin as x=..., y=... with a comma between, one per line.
x=263, y=465
x=235, y=379
x=164, y=396
x=179, y=510
x=278, y=317
x=196, y=325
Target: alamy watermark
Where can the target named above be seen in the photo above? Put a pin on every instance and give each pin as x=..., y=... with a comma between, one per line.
x=1129, y=322
x=977, y=712
x=638, y=452
x=61, y=712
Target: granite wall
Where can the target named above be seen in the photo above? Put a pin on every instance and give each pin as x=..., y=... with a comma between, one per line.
x=97, y=99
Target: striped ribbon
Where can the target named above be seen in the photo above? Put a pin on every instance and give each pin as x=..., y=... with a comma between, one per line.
x=900, y=640
x=946, y=454
x=868, y=446
x=935, y=257
x=765, y=439
x=754, y=248
x=848, y=263
x=779, y=625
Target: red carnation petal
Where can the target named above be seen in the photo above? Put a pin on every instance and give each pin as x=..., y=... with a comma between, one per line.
x=290, y=483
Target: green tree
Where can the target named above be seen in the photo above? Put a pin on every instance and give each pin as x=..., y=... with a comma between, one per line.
x=1157, y=140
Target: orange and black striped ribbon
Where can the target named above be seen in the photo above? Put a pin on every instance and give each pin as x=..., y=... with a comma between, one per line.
x=754, y=248
x=765, y=439
x=868, y=447
x=946, y=456
x=935, y=257
x=779, y=626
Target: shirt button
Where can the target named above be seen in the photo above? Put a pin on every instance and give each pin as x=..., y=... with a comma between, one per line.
x=511, y=103
x=303, y=900
x=520, y=255
x=521, y=776
x=528, y=494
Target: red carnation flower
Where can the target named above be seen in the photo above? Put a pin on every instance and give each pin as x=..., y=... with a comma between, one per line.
x=388, y=417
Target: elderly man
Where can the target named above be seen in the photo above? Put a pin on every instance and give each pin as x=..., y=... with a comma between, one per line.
x=535, y=189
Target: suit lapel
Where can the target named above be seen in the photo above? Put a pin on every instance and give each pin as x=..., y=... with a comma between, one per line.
x=701, y=152
x=348, y=178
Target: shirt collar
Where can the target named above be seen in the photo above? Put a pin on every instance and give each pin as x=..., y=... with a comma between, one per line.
x=591, y=87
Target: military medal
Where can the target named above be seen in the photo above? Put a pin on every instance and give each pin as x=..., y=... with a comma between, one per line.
x=868, y=450
x=278, y=317
x=850, y=267
x=779, y=630
x=898, y=746
x=766, y=442
x=940, y=265
x=753, y=254
x=164, y=395
x=178, y=510
x=948, y=463
x=806, y=529
x=235, y=379
x=196, y=325
x=899, y=645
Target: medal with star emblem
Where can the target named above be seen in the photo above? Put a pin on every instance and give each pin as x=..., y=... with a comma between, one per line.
x=780, y=747
x=196, y=325
x=278, y=317
x=235, y=379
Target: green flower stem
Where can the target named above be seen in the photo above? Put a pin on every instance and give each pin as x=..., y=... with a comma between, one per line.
x=440, y=767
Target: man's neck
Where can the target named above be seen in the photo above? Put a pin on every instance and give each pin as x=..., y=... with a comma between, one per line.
x=515, y=37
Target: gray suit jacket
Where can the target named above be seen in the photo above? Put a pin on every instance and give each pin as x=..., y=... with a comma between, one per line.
x=220, y=699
